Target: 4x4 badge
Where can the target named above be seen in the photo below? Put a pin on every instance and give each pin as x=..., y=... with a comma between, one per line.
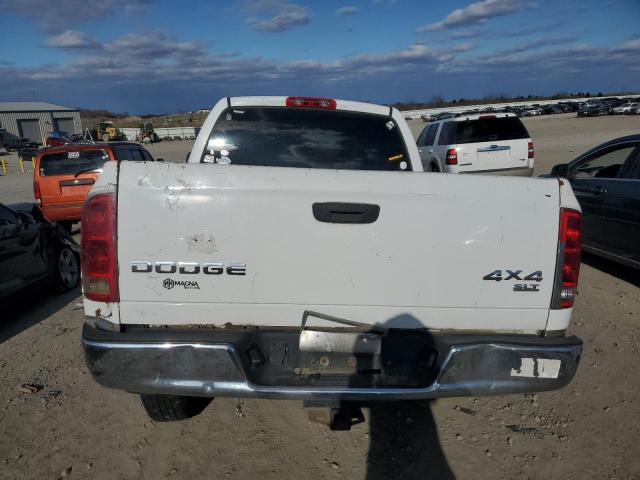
x=498, y=276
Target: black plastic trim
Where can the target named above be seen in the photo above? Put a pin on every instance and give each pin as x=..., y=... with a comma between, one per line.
x=342, y=212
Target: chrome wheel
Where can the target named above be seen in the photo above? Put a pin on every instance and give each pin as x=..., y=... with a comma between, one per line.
x=68, y=270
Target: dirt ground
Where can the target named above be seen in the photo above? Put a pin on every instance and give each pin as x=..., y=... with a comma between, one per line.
x=74, y=428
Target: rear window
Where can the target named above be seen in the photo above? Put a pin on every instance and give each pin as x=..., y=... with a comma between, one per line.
x=71, y=163
x=447, y=134
x=489, y=130
x=131, y=153
x=306, y=138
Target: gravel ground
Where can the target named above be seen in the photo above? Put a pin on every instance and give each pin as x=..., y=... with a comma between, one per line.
x=74, y=428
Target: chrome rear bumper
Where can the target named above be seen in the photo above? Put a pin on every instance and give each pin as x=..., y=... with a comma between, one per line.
x=221, y=363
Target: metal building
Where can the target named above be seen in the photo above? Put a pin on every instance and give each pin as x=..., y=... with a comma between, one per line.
x=36, y=120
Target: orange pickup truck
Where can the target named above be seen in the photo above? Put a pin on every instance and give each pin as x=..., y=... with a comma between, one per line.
x=63, y=175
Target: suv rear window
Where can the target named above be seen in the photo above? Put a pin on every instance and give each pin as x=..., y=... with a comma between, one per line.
x=72, y=162
x=489, y=130
x=306, y=138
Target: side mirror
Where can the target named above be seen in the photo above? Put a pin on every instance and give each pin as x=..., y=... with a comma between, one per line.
x=560, y=170
x=159, y=159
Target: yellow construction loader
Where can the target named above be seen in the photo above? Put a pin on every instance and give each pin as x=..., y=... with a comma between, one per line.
x=107, y=132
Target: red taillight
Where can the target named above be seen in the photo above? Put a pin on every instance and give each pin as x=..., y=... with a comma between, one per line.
x=452, y=157
x=312, y=102
x=36, y=193
x=98, y=247
x=530, y=149
x=569, y=253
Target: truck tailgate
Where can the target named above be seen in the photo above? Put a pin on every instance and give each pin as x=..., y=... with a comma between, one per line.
x=426, y=261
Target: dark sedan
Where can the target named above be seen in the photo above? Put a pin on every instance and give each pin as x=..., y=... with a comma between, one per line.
x=18, y=143
x=32, y=250
x=606, y=181
x=594, y=110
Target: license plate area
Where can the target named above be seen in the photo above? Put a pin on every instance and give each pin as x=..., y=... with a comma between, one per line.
x=338, y=358
x=346, y=353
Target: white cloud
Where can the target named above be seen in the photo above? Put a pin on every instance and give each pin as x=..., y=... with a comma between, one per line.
x=462, y=47
x=54, y=16
x=72, y=39
x=275, y=15
x=630, y=45
x=346, y=10
x=535, y=44
x=478, y=12
x=281, y=22
x=152, y=46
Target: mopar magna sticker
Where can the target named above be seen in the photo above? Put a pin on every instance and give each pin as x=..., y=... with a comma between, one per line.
x=169, y=283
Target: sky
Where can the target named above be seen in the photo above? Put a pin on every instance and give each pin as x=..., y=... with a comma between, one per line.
x=159, y=56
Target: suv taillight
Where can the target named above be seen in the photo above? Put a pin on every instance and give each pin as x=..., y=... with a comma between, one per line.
x=451, y=157
x=98, y=247
x=568, y=262
x=36, y=193
x=530, y=149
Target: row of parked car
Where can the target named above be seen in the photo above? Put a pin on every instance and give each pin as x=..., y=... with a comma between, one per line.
x=604, y=106
x=595, y=109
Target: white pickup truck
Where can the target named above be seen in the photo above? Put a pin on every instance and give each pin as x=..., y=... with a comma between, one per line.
x=301, y=253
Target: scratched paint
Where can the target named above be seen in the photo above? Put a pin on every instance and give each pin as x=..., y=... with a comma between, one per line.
x=143, y=180
x=204, y=243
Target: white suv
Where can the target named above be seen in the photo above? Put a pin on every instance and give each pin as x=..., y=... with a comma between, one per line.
x=495, y=144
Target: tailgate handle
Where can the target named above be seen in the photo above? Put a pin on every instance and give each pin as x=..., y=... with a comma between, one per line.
x=77, y=181
x=336, y=212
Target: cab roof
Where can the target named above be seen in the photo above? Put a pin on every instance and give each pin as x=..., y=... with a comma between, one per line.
x=282, y=101
x=74, y=147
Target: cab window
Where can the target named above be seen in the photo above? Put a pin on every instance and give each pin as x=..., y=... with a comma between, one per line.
x=431, y=135
x=122, y=153
x=306, y=138
x=147, y=156
x=447, y=133
x=605, y=164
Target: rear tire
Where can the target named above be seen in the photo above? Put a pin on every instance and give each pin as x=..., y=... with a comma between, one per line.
x=433, y=168
x=66, y=274
x=171, y=408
